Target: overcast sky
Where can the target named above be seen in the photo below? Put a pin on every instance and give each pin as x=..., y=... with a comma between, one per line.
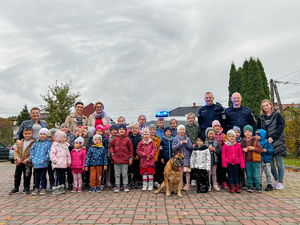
x=138, y=57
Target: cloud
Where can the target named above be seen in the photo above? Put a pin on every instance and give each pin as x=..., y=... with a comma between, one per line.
x=139, y=57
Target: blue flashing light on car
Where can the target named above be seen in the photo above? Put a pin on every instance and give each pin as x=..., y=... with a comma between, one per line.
x=162, y=114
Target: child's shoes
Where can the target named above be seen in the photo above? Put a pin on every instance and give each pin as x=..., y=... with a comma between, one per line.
x=98, y=189
x=145, y=185
x=150, y=186
x=74, y=190
x=225, y=185
x=216, y=187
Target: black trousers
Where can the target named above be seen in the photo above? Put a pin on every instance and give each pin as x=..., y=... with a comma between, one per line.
x=27, y=171
x=40, y=177
x=202, y=181
x=51, y=175
x=221, y=173
x=60, y=176
x=134, y=171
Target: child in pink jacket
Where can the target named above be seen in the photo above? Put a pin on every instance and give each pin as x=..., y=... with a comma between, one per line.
x=146, y=150
x=61, y=159
x=78, y=156
x=233, y=159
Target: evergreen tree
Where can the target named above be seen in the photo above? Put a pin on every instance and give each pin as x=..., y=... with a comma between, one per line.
x=265, y=84
x=24, y=115
x=232, y=82
x=59, y=101
x=244, y=78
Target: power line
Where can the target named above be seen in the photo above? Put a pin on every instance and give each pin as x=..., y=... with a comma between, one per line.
x=288, y=74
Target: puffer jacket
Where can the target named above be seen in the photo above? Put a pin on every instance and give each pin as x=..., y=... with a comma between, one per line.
x=232, y=155
x=266, y=157
x=150, y=151
x=214, y=155
x=200, y=158
x=192, y=132
x=96, y=156
x=166, y=151
x=71, y=137
x=121, y=150
x=157, y=143
x=60, y=155
x=39, y=154
x=186, y=148
x=78, y=158
x=135, y=141
x=221, y=138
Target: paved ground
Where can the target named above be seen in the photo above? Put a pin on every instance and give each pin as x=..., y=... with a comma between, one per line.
x=137, y=207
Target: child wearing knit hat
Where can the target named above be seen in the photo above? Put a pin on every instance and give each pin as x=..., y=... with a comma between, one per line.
x=233, y=159
x=252, y=150
x=156, y=139
x=78, y=157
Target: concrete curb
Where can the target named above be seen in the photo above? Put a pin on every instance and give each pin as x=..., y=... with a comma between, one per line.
x=292, y=168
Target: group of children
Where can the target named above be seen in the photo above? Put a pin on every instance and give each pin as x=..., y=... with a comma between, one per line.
x=104, y=154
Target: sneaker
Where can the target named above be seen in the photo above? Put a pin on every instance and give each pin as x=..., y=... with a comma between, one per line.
x=113, y=187
x=193, y=183
x=26, y=191
x=225, y=185
x=14, y=191
x=79, y=189
x=51, y=187
x=150, y=186
x=98, y=189
x=117, y=190
x=136, y=185
x=126, y=189
x=70, y=187
x=131, y=185
x=274, y=184
x=209, y=189
x=108, y=184
x=145, y=185
x=250, y=189
x=216, y=187
x=43, y=192
x=279, y=186
x=156, y=185
x=244, y=187
x=92, y=190
x=35, y=192
x=74, y=190
x=258, y=189
x=187, y=187
x=269, y=188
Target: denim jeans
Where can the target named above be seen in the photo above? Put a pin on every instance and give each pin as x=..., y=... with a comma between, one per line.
x=280, y=166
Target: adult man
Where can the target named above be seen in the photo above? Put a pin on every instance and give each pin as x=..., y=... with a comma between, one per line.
x=35, y=123
x=210, y=112
x=76, y=119
x=238, y=115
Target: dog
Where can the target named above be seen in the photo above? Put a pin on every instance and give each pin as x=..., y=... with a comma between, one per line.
x=173, y=175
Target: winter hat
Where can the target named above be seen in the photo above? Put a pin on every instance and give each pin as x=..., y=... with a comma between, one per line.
x=202, y=138
x=79, y=140
x=167, y=128
x=97, y=136
x=151, y=126
x=44, y=131
x=92, y=130
x=123, y=126
x=231, y=131
x=145, y=130
x=209, y=129
x=179, y=127
x=52, y=132
x=236, y=128
x=79, y=127
x=114, y=126
x=105, y=127
x=58, y=136
x=99, y=127
x=64, y=125
x=257, y=133
x=215, y=123
x=248, y=127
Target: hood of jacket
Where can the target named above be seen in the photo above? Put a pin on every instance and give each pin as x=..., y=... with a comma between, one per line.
x=263, y=135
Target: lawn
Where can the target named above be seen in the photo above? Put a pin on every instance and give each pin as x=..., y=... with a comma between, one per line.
x=291, y=161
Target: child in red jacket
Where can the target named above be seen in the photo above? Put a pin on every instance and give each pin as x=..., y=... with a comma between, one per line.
x=121, y=150
x=146, y=150
x=233, y=159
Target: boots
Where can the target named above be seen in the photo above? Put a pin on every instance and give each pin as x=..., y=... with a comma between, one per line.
x=150, y=186
x=198, y=186
x=145, y=185
x=62, y=189
x=55, y=190
x=231, y=186
x=237, y=188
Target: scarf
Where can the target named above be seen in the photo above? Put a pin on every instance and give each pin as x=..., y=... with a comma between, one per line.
x=147, y=142
x=99, y=116
x=228, y=143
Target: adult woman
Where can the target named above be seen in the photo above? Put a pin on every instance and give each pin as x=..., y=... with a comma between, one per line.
x=98, y=117
x=35, y=123
x=76, y=119
x=271, y=121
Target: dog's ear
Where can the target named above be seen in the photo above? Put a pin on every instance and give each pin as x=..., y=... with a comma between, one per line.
x=174, y=152
x=180, y=151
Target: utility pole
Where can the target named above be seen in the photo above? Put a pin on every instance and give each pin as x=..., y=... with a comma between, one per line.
x=278, y=98
x=272, y=91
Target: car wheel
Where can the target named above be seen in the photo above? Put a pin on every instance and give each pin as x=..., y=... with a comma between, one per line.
x=12, y=161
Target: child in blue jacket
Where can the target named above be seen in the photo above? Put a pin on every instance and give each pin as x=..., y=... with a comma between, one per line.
x=266, y=157
x=39, y=156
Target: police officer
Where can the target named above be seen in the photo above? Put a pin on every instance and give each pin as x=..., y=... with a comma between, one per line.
x=238, y=115
x=210, y=112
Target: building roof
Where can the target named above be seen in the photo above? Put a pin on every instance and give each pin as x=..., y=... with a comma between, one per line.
x=88, y=110
x=183, y=111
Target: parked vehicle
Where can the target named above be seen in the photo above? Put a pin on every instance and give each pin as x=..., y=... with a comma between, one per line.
x=6, y=153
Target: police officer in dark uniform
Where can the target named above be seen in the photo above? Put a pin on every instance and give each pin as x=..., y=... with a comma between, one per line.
x=238, y=115
x=210, y=112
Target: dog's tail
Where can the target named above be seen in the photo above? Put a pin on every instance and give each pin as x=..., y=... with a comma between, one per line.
x=161, y=186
